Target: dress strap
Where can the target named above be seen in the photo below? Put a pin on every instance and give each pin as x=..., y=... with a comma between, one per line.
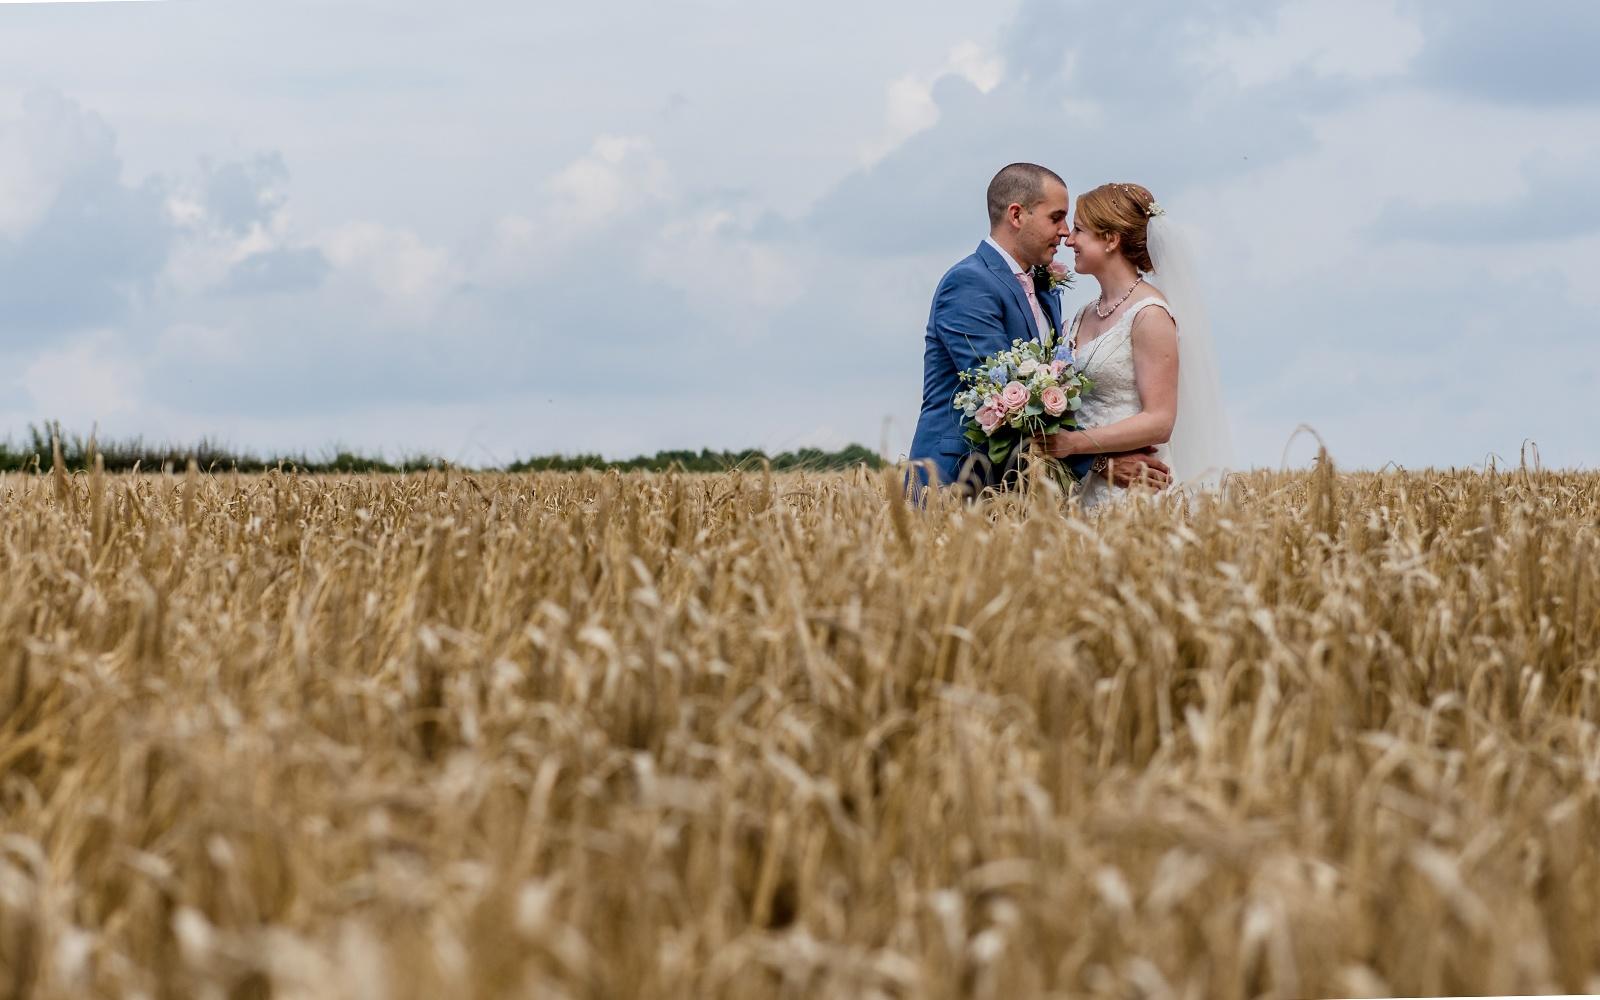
x=1077, y=321
x=1122, y=328
x=1137, y=307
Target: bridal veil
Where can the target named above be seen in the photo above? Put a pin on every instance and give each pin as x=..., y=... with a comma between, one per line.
x=1201, y=449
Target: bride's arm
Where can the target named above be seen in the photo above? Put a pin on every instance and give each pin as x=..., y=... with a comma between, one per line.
x=1155, y=372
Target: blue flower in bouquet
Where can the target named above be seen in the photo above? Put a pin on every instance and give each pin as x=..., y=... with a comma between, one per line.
x=1064, y=351
x=998, y=374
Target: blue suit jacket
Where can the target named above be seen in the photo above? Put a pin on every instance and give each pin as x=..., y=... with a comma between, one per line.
x=978, y=309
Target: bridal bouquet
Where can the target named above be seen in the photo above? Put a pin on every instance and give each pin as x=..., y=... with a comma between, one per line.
x=1018, y=393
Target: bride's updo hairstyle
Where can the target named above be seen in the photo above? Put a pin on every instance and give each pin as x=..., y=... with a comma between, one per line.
x=1123, y=209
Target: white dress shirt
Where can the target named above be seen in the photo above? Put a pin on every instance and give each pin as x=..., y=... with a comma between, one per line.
x=1018, y=271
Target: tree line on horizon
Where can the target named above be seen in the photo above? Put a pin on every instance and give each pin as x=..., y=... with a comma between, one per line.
x=36, y=453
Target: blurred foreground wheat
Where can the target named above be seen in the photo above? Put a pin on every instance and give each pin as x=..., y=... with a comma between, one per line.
x=748, y=736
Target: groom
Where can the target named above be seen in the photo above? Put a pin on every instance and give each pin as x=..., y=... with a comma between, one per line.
x=984, y=303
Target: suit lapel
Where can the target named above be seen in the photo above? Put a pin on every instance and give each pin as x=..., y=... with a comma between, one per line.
x=1003, y=274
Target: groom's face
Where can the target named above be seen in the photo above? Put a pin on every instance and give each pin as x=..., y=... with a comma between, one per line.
x=1044, y=225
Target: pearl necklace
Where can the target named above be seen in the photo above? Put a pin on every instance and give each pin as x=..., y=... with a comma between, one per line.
x=1136, y=282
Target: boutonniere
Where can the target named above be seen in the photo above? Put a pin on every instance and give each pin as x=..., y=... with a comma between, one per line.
x=1053, y=276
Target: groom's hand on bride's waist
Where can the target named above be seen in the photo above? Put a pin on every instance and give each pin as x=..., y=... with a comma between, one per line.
x=1123, y=468
x=1129, y=468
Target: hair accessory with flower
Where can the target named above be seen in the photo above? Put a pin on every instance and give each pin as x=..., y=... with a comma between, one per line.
x=1151, y=210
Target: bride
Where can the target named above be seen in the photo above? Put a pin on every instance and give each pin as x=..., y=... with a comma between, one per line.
x=1148, y=349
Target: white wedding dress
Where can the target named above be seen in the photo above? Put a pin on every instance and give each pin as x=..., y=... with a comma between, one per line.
x=1108, y=359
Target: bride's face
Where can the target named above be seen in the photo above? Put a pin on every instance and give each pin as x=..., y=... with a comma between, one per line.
x=1090, y=251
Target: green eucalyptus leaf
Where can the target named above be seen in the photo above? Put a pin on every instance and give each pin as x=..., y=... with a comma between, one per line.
x=999, y=448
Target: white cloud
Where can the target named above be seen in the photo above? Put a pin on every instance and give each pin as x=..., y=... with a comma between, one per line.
x=1080, y=106
x=1357, y=40
x=409, y=276
x=44, y=143
x=516, y=246
x=620, y=174
x=1317, y=215
x=612, y=197
x=909, y=104
x=206, y=255
x=910, y=109
x=83, y=383
x=710, y=258
x=612, y=200
x=982, y=67
x=200, y=343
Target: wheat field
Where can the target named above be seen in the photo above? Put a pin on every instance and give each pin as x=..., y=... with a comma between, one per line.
x=445, y=735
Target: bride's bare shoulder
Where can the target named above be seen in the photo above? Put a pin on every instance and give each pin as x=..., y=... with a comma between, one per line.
x=1154, y=292
x=1154, y=320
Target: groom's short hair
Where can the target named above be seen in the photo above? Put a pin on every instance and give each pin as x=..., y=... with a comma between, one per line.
x=1018, y=184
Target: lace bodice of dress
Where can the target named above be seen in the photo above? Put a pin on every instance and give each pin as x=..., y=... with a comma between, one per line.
x=1108, y=359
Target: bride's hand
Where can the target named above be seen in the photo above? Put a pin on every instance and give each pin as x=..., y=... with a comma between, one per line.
x=1057, y=445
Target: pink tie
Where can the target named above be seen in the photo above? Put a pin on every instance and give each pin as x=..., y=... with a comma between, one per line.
x=1033, y=300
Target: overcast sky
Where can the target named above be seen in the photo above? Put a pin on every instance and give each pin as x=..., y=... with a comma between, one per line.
x=493, y=229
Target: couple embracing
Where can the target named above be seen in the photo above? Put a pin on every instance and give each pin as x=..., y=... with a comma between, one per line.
x=1154, y=413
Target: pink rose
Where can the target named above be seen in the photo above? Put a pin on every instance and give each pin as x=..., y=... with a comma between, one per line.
x=1054, y=401
x=991, y=415
x=1014, y=395
x=1059, y=271
x=1057, y=367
